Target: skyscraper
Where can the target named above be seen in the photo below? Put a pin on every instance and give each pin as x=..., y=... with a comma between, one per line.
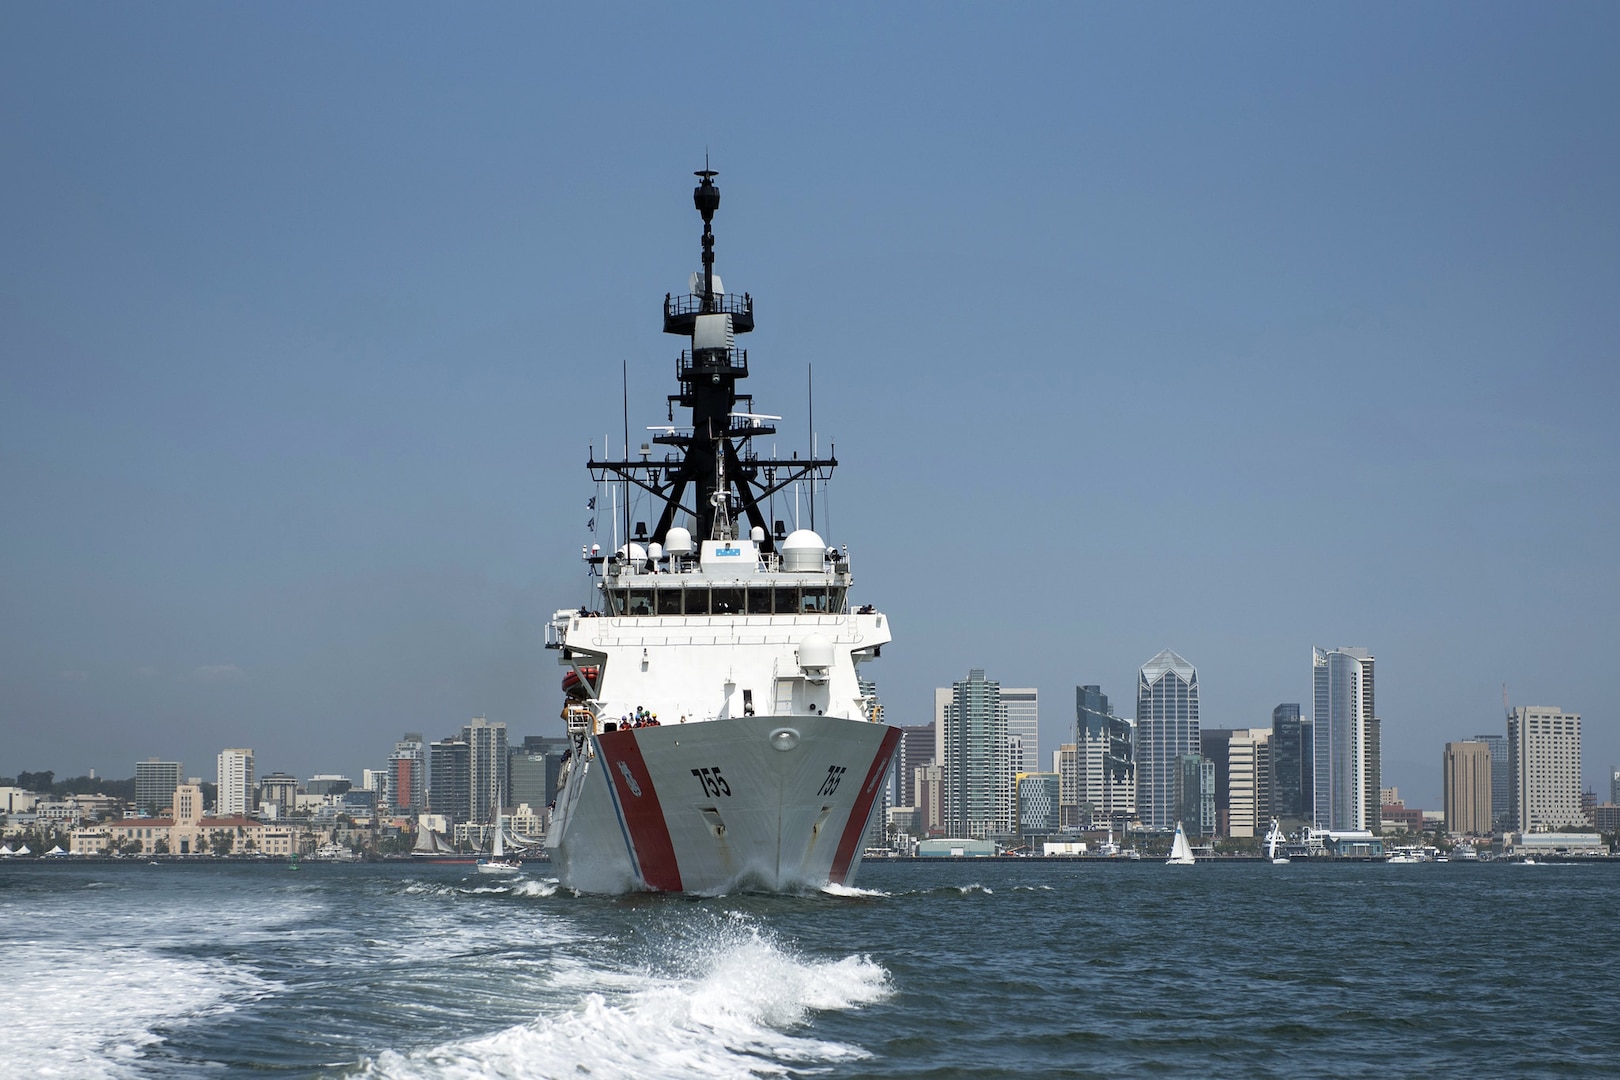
x=1240, y=758
x=1166, y=729
x=407, y=775
x=1501, y=782
x=155, y=782
x=1105, y=763
x=235, y=780
x=1544, y=760
x=1346, y=734
x=486, y=743
x=1291, y=764
x=450, y=779
x=916, y=750
x=1024, y=724
x=979, y=796
x=1466, y=773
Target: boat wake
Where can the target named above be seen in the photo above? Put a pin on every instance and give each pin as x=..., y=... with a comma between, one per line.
x=727, y=1003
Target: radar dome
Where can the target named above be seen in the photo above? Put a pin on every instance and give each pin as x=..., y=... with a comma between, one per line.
x=803, y=551
x=815, y=656
x=678, y=541
x=757, y=534
x=633, y=553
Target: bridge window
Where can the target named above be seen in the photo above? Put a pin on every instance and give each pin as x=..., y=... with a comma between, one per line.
x=814, y=601
x=759, y=601
x=787, y=601
x=669, y=601
x=726, y=601
x=697, y=601
x=641, y=602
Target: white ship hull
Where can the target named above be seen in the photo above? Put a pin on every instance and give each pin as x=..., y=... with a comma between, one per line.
x=767, y=802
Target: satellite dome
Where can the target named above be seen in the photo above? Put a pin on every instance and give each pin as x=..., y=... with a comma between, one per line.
x=757, y=534
x=803, y=551
x=815, y=656
x=634, y=554
x=678, y=541
x=655, y=552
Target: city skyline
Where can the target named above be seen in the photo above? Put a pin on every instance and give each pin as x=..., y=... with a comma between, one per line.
x=288, y=321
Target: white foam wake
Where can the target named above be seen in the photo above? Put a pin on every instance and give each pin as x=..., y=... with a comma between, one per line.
x=731, y=1013
x=88, y=1013
x=833, y=888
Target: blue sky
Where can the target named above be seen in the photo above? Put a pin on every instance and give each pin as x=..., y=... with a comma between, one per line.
x=1227, y=330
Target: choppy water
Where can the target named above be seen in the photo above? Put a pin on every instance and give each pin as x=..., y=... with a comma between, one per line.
x=928, y=970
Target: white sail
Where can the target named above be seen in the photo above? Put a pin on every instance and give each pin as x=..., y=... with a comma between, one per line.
x=1180, y=851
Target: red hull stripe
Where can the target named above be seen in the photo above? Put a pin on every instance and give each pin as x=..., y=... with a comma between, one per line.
x=856, y=826
x=643, y=817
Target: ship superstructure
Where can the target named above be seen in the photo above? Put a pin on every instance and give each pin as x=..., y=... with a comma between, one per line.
x=719, y=734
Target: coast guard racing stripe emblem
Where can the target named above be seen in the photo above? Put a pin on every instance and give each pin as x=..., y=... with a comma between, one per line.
x=856, y=826
x=644, y=824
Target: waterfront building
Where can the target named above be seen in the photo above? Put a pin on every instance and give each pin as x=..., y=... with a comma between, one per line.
x=915, y=751
x=1240, y=759
x=1614, y=785
x=1346, y=735
x=278, y=795
x=534, y=768
x=929, y=785
x=323, y=784
x=1466, y=775
x=1606, y=818
x=155, y=782
x=975, y=754
x=1195, y=794
x=1066, y=763
x=188, y=831
x=1166, y=729
x=1501, y=782
x=406, y=788
x=1023, y=707
x=235, y=788
x=1037, y=804
x=486, y=767
x=1544, y=761
x=450, y=780
x=1291, y=764
x=1106, y=765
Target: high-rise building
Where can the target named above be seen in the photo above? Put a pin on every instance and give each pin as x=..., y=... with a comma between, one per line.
x=1066, y=763
x=1166, y=729
x=1291, y=764
x=1240, y=758
x=235, y=779
x=929, y=790
x=975, y=756
x=155, y=782
x=278, y=796
x=1614, y=786
x=1037, y=803
x=406, y=789
x=916, y=750
x=1501, y=782
x=1023, y=707
x=486, y=744
x=1195, y=794
x=1345, y=728
x=534, y=768
x=1544, y=760
x=1466, y=774
x=1106, y=761
x=450, y=779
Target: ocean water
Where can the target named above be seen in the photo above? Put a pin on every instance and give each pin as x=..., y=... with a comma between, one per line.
x=927, y=970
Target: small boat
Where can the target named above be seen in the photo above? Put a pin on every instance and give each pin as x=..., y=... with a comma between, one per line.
x=1180, y=851
x=498, y=863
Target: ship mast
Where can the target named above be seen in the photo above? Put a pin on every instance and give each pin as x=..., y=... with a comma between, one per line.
x=711, y=466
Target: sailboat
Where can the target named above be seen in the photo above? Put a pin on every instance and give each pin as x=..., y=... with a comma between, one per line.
x=1180, y=851
x=1274, y=840
x=498, y=863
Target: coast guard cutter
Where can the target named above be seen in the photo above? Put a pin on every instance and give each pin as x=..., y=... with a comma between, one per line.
x=766, y=758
